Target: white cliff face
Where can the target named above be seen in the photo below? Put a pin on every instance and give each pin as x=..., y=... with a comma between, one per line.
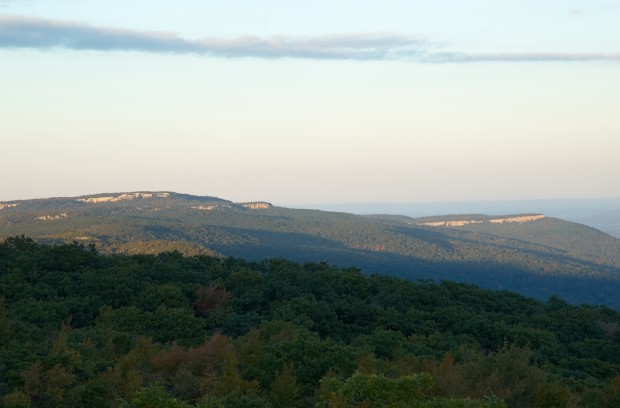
x=122, y=197
x=3, y=206
x=203, y=207
x=520, y=220
x=449, y=223
x=460, y=223
x=210, y=207
x=258, y=205
x=52, y=217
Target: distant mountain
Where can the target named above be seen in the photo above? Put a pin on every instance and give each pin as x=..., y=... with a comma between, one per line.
x=600, y=213
x=608, y=221
x=528, y=253
x=571, y=238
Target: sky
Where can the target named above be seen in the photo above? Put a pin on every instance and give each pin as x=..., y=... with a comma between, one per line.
x=307, y=102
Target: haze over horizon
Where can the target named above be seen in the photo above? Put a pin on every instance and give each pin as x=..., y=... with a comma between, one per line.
x=347, y=102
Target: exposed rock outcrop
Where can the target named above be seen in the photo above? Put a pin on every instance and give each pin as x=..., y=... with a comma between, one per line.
x=522, y=219
x=3, y=206
x=460, y=223
x=257, y=205
x=122, y=197
x=210, y=207
x=450, y=223
x=52, y=217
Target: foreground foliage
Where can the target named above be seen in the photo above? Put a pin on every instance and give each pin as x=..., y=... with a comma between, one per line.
x=86, y=330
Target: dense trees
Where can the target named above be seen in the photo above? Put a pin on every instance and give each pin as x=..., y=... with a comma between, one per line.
x=541, y=258
x=82, y=329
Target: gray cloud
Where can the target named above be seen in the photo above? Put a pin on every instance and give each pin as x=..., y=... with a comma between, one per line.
x=37, y=33
x=28, y=32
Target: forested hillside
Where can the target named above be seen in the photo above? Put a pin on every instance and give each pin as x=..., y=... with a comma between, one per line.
x=87, y=330
x=541, y=257
x=546, y=232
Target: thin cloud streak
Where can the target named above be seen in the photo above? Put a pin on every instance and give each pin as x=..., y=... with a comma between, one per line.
x=28, y=32
x=457, y=57
x=37, y=33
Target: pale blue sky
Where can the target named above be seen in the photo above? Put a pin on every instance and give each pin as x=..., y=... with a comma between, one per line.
x=311, y=102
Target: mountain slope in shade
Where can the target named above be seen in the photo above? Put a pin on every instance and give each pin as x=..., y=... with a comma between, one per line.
x=528, y=253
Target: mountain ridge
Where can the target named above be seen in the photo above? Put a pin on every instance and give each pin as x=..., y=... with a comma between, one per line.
x=541, y=257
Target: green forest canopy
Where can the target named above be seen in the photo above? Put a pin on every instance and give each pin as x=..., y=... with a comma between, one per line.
x=82, y=329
